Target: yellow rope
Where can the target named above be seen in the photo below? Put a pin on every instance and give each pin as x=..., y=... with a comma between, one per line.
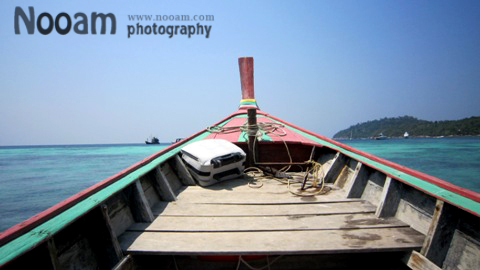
x=262, y=128
x=313, y=176
x=314, y=185
x=315, y=173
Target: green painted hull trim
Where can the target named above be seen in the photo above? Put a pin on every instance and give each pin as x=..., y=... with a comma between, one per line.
x=429, y=188
x=42, y=232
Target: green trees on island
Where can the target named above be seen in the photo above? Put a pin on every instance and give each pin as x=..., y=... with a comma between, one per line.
x=397, y=126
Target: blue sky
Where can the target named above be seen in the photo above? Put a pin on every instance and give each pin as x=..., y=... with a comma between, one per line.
x=322, y=65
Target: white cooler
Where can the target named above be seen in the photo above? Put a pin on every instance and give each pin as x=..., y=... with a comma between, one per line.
x=212, y=161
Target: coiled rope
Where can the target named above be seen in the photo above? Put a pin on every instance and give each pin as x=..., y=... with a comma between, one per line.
x=261, y=128
x=312, y=183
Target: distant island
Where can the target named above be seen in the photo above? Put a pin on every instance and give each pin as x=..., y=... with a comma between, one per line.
x=397, y=126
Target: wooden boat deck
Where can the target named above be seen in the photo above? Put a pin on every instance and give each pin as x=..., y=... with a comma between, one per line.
x=233, y=218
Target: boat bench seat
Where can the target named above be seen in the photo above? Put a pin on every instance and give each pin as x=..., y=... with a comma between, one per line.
x=232, y=218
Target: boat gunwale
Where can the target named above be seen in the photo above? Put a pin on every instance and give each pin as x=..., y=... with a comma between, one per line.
x=64, y=205
x=442, y=184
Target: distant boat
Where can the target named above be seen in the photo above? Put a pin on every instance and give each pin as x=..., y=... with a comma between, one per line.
x=380, y=137
x=153, y=140
x=405, y=135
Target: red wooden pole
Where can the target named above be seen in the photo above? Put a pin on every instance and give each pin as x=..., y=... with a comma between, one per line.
x=246, y=77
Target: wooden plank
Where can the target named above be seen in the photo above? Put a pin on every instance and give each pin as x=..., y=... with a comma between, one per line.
x=170, y=176
x=183, y=172
x=268, y=223
x=417, y=261
x=186, y=209
x=119, y=212
x=334, y=170
x=372, y=193
x=279, y=242
x=270, y=186
x=256, y=196
x=327, y=159
x=414, y=216
x=358, y=182
x=139, y=204
x=433, y=227
x=347, y=173
x=463, y=253
x=166, y=191
x=389, y=199
x=151, y=193
x=112, y=235
x=241, y=184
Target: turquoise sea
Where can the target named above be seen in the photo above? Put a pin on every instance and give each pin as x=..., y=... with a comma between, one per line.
x=455, y=160
x=33, y=178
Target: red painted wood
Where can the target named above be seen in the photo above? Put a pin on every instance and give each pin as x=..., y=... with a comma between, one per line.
x=231, y=137
x=290, y=136
x=246, y=77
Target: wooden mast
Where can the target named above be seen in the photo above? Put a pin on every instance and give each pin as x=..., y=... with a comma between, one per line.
x=246, y=79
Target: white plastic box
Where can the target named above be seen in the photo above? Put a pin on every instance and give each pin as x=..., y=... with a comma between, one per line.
x=213, y=160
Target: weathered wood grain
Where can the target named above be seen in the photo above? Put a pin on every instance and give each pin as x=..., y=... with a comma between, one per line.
x=347, y=173
x=186, y=209
x=119, y=212
x=163, y=186
x=139, y=205
x=372, y=193
x=390, y=198
x=256, y=196
x=463, y=253
x=241, y=184
x=334, y=170
x=440, y=234
x=171, y=176
x=265, y=186
x=417, y=261
x=358, y=182
x=117, y=251
x=280, y=242
x=183, y=172
x=412, y=215
x=433, y=227
x=151, y=194
x=266, y=223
